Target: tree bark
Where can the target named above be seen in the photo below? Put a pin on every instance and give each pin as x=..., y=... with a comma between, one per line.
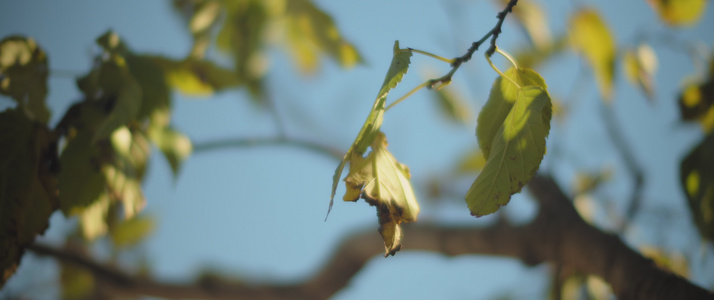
x=557, y=235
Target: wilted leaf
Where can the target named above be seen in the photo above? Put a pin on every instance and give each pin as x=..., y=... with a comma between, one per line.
x=592, y=38
x=366, y=135
x=640, y=66
x=130, y=232
x=23, y=76
x=697, y=180
x=27, y=186
x=500, y=101
x=518, y=148
x=384, y=183
x=679, y=12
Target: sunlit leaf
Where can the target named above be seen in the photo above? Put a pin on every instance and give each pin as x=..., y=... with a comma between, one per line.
x=696, y=99
x=592, y=38
x=679, y=12
x=366, y=135
x=130, y=232
x=471, y=163
x=640, y=66
x=242, y=38
x=175, y=146
x=697, y=180
x=93, y=218
x=76, y=282
x=197, y=77
x=534, y=21
x=23, y=75
x=384, y=183
x=500, y=101
x=27, y=186
x=311, y=32
x=517, y=150
x=453, y=105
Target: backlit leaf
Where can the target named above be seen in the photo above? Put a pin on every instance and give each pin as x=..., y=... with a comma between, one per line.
x=679, y=12
x=500, y=101
x=697, y=180
x=27, y=186
x=592, y=38
x=384, y=183
x=23, y=76
x=311, y=31
x=640, y=66
x=197, y=77
x=175, y=146
x=517, y=150
x=130, y=232
x=366, y=135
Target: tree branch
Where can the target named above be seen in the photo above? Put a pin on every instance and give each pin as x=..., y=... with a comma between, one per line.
x=557, y=235
x=269, y=141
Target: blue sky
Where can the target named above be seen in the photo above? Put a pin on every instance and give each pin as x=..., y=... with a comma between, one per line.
x=258, y=212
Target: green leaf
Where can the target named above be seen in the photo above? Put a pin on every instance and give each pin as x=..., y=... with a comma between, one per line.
x=592, y=38
x=384, y=183
x=80, y=180
x=27, y=186
x=453, y=105
x=130, y=232
x=366, y=135
x=175, y=146
x=126, y=109
x=697, y=179
x=696, y=101
x=500, y=101
x=242, y=37
x=155, y=92
x=310, y=32
x=197, y=77
x=518, y=148
x=23, y=76
x=679, y=12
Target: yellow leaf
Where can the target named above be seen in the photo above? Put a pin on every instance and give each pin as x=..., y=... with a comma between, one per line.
x=679, y=12
x=384, y=183
x=592, y=38
x=640, y=66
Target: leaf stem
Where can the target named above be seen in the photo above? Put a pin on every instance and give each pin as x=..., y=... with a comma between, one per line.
x=488, y=58
x=444, y=59
x=414, y=90
x=515, y=65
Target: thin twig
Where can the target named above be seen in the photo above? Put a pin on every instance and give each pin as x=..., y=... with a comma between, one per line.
x=630, y=162
x=269, y=141
x=493, y=34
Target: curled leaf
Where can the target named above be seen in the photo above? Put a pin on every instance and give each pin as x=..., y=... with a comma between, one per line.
x=384, y=183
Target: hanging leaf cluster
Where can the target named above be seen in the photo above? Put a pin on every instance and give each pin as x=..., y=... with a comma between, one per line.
x=379, y=178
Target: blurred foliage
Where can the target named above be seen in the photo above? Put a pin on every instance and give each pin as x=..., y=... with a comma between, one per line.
x=24, y=71
x=640, y=66
x=679, y=12
x=591, y=37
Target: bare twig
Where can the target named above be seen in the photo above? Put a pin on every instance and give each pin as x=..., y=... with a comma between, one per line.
x=269, y=141
x=557, y=235
x=493, y=34
x=630, y=162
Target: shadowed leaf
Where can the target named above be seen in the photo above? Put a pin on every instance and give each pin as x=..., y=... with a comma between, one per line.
x=518, y=148
x=697, y=181
x=23, y=76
